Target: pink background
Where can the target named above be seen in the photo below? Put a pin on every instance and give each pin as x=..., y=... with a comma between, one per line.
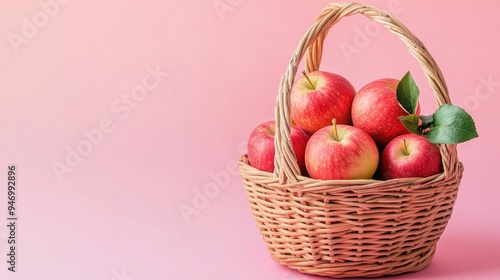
x=116, y=213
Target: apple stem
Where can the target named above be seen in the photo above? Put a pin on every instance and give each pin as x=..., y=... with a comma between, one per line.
x=307, y=77
x=335, y=132
x=406, y=148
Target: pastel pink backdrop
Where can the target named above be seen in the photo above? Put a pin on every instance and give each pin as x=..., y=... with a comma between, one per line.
x=117, y=215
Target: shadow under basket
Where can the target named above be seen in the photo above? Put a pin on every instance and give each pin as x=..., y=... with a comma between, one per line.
x=350, y=228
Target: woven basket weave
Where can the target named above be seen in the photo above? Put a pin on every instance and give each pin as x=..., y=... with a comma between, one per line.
x=350, y=228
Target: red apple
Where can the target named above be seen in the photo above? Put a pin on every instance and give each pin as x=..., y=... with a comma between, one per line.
x=318, y=97
x=410, y=155
x=341, y=152
x=261, y=146
x=375, y=109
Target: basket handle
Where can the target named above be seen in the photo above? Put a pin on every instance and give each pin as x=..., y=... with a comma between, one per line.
x=286, y=167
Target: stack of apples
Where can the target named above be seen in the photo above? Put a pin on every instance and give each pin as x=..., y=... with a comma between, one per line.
x=340, y=134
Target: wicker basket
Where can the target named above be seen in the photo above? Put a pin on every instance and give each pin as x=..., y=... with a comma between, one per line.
x=350, y=228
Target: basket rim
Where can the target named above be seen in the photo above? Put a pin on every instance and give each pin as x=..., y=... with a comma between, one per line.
x=362, y=186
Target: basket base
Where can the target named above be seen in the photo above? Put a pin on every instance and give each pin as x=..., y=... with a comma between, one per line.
x=353, y=269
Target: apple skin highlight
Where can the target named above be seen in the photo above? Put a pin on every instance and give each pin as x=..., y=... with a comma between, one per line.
x=261, y=150
x=318, y=98
x=375, y=109
x=420, y=158
x=354, y=155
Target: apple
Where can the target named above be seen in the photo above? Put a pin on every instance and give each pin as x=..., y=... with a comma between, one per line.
x=260, y=146
x=341, y=152
x=410, y=155
x=375, y=109
x=318, y=97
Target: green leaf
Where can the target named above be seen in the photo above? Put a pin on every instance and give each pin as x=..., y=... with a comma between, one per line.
x=411, y=123
x=407, y=93
x=451, y=125
x=426, y=121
